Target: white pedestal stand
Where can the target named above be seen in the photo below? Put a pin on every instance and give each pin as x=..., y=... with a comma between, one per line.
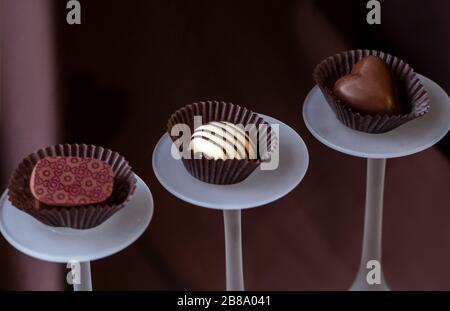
x=260, y=188
x=413, y=137
x=78, y=247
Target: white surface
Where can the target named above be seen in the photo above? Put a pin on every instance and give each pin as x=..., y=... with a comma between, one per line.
x=53, y=244
x=261, y=187
x=410, y=138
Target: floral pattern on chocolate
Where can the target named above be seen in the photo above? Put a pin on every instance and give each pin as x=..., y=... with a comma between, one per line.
x=71, y=181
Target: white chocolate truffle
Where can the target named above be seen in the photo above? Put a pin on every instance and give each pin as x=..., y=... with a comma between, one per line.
x=222, y=140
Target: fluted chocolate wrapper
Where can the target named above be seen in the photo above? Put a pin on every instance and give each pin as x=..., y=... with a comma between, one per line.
x=77, y=217
x=230, y=171
x=413, y=95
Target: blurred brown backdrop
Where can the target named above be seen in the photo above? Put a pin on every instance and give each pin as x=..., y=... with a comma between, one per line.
x=115, y=79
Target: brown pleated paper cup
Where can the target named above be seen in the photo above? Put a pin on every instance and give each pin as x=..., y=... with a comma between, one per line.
x=77, y=217
x=230, y=171
x=413, y=96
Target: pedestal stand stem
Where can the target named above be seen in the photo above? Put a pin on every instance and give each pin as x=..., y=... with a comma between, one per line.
x=374, y=210
x=85, y=278
x=233, y=250
x=373, y=223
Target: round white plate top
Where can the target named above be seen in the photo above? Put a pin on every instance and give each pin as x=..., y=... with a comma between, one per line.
x=261, y=187
x=410, y=138
x=56, y=244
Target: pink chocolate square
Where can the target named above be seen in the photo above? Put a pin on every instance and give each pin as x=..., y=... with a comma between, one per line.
x=70, y=181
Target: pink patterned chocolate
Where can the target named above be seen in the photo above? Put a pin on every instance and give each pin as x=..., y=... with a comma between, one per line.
x=70, y=181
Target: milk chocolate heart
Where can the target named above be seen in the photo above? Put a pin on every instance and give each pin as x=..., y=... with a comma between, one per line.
x=369, y=88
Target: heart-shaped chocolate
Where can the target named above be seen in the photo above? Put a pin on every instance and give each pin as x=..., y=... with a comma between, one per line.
x=369, y=88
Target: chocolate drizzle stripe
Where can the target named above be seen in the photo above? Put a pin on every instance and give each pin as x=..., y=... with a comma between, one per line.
x=236, y=139
x=225, y=140
x=199, y=136
x=238, y=130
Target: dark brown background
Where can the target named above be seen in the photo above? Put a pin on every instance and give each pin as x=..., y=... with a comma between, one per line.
x=115, y=79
